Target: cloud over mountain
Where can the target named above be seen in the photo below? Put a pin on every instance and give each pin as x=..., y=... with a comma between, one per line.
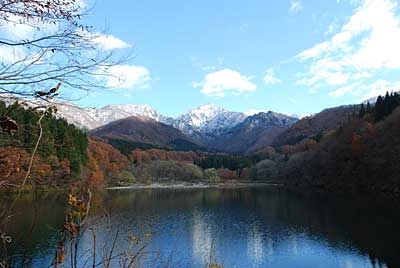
x=352, y=59
x=218, y=84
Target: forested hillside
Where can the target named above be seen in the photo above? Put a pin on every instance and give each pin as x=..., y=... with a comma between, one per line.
x=314, y=126
x=363, y=154
x=61, y=153
x=355, y=151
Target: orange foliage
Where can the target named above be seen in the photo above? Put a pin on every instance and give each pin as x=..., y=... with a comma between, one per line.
x=14, y=163
x=104, y=161
x=94, y=176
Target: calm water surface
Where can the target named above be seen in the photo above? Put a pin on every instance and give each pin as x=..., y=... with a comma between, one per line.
x=259, y=227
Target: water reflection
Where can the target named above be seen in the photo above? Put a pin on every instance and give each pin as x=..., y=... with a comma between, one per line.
x=255, y=247
x=202, y=238
x=238, y=228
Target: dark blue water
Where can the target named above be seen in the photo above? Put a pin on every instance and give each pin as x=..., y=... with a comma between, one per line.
x=268, y=227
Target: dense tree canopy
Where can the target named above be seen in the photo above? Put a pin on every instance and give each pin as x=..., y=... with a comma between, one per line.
x=383, y=107
x=60, y=139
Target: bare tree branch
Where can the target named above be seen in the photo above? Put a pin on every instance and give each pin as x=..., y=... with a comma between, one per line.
x=60, y=49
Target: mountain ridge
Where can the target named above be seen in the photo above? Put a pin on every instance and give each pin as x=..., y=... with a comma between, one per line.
x=213, y=126
x=143, y=131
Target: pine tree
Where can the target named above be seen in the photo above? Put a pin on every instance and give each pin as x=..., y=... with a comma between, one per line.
x=369, y=108
x=59, y=139
x=379, y=109
x=386, y=105
x=362, y=111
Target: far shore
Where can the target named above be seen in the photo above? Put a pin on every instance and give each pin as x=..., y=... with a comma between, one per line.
x=186, y=185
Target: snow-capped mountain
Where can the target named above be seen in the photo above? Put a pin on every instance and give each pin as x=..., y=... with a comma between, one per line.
x=205, y=124
x=110, y=113
x=253, y=133
x=223, y=122
x=208, y=119
x=265, y=120
x=80, y=117
x=91, y=118
x=199, y=117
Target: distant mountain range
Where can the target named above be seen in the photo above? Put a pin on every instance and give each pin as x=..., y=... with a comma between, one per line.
x=207, y=126
x=206, y=120
x=253, y=133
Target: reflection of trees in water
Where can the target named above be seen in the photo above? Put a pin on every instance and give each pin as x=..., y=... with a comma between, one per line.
x=34, y=227
x=344, y=222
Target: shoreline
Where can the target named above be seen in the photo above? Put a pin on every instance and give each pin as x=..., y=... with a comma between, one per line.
x=173, y=185
x=183, y=185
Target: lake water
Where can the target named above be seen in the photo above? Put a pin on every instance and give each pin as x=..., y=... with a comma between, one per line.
x=255, y=227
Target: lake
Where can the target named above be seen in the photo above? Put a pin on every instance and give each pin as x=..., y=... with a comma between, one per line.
x=252, y=227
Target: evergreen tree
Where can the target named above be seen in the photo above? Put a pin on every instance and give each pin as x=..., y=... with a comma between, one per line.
x=59, y=139
x=379, y=109
x=362, y=111
x=368, y=109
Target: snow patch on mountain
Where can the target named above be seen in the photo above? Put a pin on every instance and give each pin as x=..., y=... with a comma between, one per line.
x=199, y=117
x=268, y=119
x=223, y=122
x=205, y=121
x=110, y=113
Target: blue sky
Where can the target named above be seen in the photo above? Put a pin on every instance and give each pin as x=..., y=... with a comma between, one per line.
x=291, y=56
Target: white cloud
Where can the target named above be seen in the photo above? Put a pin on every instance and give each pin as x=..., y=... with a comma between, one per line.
x=361, y=75
x=270, y=78
x=218, y=83
x=14, y=30
x=367, y=43
x=315, y=51
x=332, y=78
x=109, y=42
x=380, y=87
x=295, y=6
x=343, y=90
x=367, y=90
x=127, y=77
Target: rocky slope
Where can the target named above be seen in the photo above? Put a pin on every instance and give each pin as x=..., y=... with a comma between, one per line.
x=254, y=133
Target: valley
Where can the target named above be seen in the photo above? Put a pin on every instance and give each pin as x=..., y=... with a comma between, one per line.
x=136, y=145
x=199, y=134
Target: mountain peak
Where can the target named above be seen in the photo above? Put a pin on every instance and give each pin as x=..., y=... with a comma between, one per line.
x=210, y=109
x=111, y=113
x=201, y=115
